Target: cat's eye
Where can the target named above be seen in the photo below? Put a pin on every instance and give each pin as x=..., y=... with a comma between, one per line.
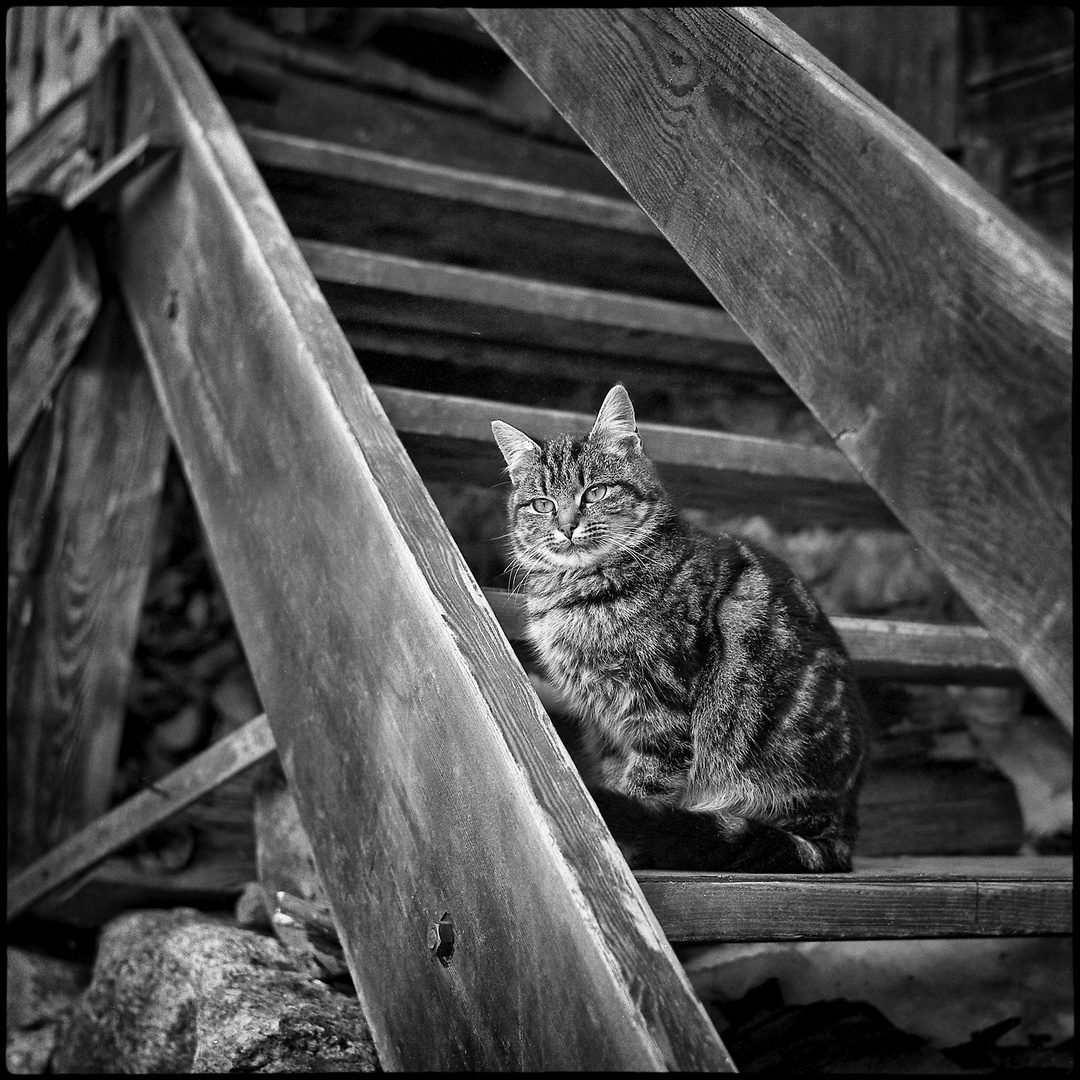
x=543, y=506
x=595, y=493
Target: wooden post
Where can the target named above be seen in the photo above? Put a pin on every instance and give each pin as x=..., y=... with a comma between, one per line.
x=427, y=776
x=80, y=522
x=926, y=327
x=47, y=327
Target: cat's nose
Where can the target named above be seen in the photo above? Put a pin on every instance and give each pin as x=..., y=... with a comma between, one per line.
x=567, y=521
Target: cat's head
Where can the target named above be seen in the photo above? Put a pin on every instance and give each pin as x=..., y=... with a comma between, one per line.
x=577, y=500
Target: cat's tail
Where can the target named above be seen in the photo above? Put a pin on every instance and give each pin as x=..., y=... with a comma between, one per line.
x=666, y=838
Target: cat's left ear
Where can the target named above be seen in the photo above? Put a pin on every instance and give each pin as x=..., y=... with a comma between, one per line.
x=615, y=427
x=517, y=448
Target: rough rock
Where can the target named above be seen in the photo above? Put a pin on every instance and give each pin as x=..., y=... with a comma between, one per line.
x=41, y=992
x=176, y=991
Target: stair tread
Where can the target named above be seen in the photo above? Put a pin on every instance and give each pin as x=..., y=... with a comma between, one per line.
x=879, y=648
x=402, y=173
x=341, y=264
x=961, y=896
x=450, y=437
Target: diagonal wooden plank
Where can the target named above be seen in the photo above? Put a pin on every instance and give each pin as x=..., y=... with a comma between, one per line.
x=926, y=327
x=228, y=757
x=427, y=777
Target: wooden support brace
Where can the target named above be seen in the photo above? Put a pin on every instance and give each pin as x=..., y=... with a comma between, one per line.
x=47, y=327
x=427, y=776
x=80, y=523
x=927, y=328
x=228, y=757
x=105, y=184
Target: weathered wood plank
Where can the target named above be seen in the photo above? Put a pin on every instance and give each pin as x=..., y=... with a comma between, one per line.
x=80, y=524
x=416, y=277
x=925, y=326
x=469, y=326
x=399, y=173
x=903, y=898
x=53, y=156
x=52, y=52
x=879, y=648
x=427, y=777
x=449, y=438
x=46, y=328
x=105, y=183
x=138, y=815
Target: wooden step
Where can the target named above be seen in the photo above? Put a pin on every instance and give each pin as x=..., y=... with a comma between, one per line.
x=955, y=896
x=362, y=165
x=547, y=225
x=879, y=648
x=371, y=287
x=449, y=438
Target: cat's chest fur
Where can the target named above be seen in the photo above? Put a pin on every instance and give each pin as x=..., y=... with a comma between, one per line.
x=595, y=651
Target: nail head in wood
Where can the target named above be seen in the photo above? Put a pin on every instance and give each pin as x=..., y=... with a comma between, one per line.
x=441, y=938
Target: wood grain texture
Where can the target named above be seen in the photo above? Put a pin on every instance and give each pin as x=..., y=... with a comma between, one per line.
x=138, y=815
x=427, y=777
x=471, y=233
x=903, y=898
x=449, y=438
x=81, y=514
x=926, y=327
x=401, y=173
x=417, y=277
x=879, y=648
x=51, y=52
x=53, y=156
x=46, y=328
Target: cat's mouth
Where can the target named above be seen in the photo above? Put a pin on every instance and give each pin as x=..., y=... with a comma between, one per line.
x=573, y=553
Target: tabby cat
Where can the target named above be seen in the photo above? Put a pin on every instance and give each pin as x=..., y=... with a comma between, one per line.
x=723, y=727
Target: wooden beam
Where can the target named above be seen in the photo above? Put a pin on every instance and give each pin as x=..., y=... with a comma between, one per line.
x=52, y=51
x=427, y=776
x=888, y=898
x=47, y=327
x=400, y=173
x=879, y=648
x=53, y=156
x=105, y=183
x=925, y=326
x=449, y=438
x=417, y=277
x=81, y=519
x=136, y=816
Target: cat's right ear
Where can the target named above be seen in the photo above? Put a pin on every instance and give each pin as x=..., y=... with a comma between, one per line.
x=520, y=451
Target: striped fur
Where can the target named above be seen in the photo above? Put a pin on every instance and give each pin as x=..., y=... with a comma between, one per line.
x=722, y=724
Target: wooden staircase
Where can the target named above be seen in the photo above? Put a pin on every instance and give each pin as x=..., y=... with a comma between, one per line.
x=427, y=775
